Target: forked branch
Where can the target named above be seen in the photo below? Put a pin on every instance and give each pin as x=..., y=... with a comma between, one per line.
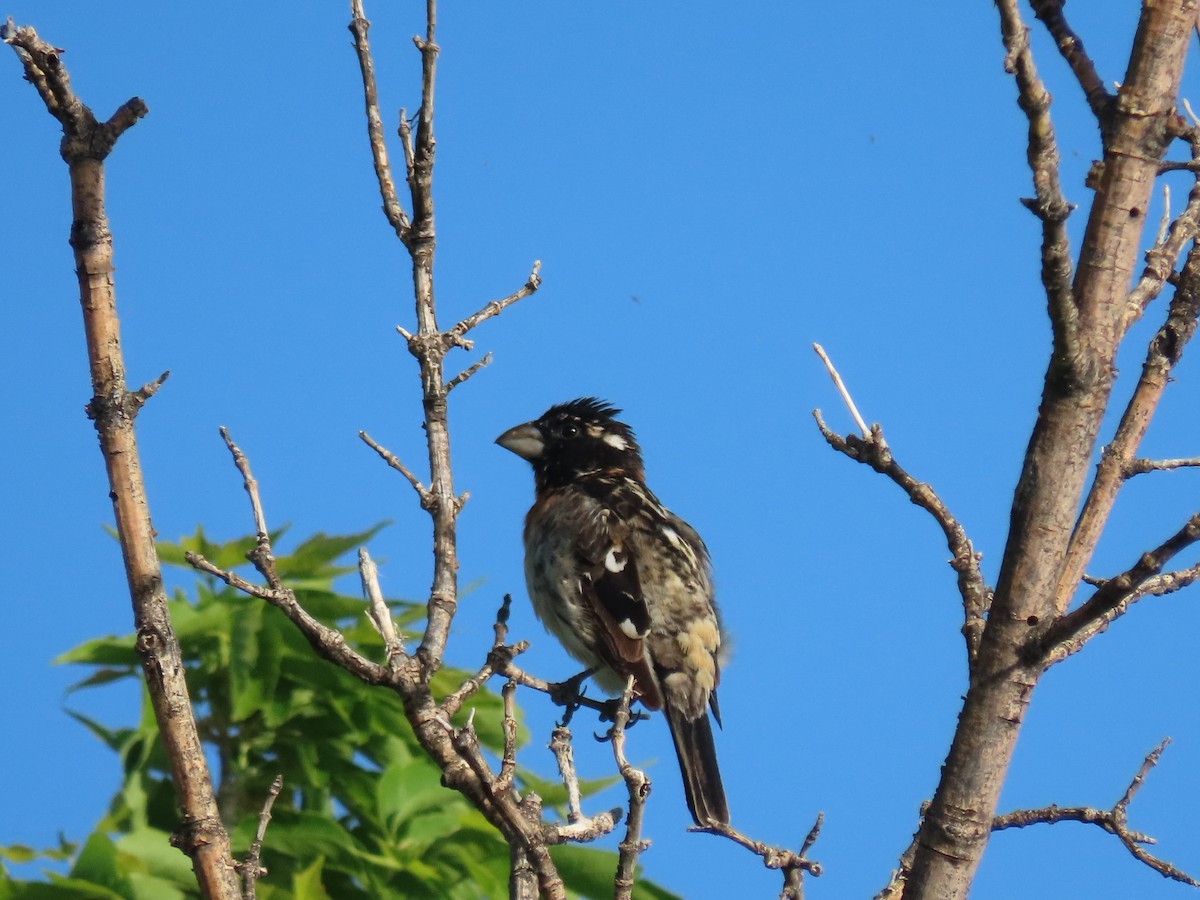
x=1115, y=821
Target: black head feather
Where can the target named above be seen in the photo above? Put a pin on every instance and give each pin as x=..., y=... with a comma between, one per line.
x=584, y=436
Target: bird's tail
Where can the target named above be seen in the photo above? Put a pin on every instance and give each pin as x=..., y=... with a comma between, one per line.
x=698, y=763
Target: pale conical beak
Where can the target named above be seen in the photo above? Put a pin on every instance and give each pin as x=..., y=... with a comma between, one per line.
x=524, y=440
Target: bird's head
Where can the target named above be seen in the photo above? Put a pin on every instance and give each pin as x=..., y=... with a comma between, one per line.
x=576, y=438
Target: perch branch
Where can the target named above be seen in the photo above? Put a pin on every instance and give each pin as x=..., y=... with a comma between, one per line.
x=637, y=784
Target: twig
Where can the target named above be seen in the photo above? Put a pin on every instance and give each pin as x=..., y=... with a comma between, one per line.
x=1162, y=258
x=1048, y=203
x=393, y=460
x=139, y=397
x=1163, y=353
x=329, y=643
x=792, y=864
x=579, y=827
x=1154, y=586
x=377, y=608
x=974, y=591
x=1114, y=821
x=638, y=786
x=1142, y=466
x=495, y=307
x=468, y=372
x=397, y=218
x=256, y=508
x=564, y=756
x=508, y=759
x=1070, y=631
x=1050, y=12
x=251, y=868
x=841, y=387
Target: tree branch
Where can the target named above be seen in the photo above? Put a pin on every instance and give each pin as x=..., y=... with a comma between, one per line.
x=397, y=218
x=1050, y=12
x=85, y=144
x=1087, y=322
x=1048, y=203
x=1142, y=466
x=793, y=865
x=1111, y=594
x=1117, y=461
x=252, y=869
x=1115, y=821
x=974, y=591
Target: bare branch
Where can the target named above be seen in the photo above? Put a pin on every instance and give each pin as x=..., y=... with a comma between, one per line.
x=397, y=218
x=138, y=398
x=1117, y=461
x=975, y=593
x=1048, y=204
x=793, y=865
x=841, y=386
x=252, y=868
x=377, y=608
x=1142, y=466
x=1050, y=12
x=1114, y=821
x=564, y=756
x=251, y=486
x=1162, y=258
x=394, y=461
x=495, y=307
x=508, y=758
x=1114, y=592
x=468, y=372
x=85, y=145
x=638, y=786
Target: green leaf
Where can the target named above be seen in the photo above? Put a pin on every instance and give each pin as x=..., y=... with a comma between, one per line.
x=97, y=863
x=307, y=885
x=105, y=651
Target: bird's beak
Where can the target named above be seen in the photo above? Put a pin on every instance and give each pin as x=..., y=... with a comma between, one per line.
x=524, y=440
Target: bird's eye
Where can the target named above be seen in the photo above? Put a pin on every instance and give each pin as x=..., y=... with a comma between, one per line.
x=570, y=431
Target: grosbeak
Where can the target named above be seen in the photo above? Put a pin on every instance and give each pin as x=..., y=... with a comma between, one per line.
x=622, y=582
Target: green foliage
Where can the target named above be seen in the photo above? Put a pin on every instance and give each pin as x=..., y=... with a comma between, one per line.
x=362, y=813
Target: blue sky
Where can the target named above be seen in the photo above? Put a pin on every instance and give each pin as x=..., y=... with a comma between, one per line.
x=711, y=187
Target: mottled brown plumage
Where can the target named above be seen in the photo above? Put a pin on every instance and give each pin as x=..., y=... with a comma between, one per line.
x=622, y=582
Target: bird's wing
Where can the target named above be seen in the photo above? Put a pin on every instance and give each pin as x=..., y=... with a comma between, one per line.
x=611, y=586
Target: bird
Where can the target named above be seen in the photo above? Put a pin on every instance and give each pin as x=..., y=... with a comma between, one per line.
x=623, y=583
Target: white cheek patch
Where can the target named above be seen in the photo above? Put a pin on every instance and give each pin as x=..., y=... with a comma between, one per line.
x=615, y=560
x=616, y=442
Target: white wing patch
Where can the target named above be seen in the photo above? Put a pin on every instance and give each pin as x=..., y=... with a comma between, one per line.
x=630, y=630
